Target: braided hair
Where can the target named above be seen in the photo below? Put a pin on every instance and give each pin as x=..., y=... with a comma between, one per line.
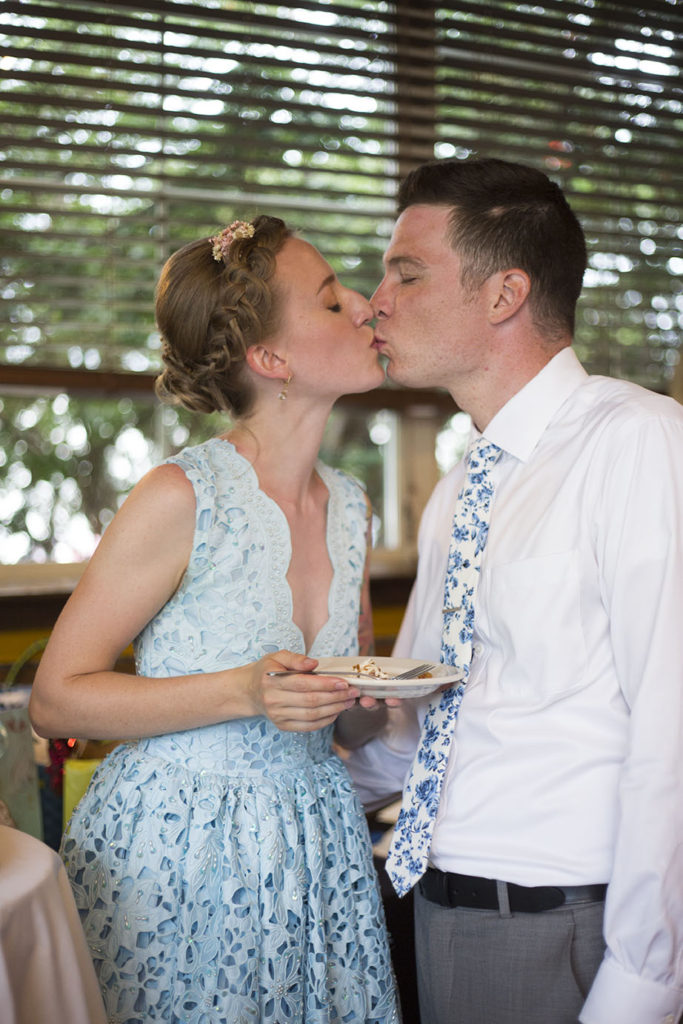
x=210, y=311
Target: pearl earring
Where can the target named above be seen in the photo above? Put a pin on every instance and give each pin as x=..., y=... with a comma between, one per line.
x=285, y=385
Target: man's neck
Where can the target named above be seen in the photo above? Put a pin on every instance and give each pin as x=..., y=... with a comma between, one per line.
x=484, y=397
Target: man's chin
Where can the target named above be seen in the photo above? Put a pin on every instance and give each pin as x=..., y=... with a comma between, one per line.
x=400, y=375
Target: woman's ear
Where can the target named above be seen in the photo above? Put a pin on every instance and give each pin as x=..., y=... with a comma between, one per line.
x=266, y=363
x=509, y=291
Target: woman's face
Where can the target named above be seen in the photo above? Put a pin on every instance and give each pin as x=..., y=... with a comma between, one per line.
x=325, y=330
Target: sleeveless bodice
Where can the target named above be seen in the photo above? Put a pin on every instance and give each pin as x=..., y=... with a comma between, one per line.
x=234, y=605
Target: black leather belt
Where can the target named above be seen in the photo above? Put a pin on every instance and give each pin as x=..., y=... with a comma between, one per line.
x=451, y=890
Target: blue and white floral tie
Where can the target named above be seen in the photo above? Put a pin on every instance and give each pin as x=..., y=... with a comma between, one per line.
x=409, y=851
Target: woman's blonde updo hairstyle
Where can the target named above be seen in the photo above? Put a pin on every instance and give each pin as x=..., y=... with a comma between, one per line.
x=209, y=312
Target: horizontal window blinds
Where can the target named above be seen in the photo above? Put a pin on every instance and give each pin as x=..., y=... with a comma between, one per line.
x=128, y=129
x=591, y=93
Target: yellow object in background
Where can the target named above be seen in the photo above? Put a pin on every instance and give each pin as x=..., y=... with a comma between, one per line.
x=77, y=774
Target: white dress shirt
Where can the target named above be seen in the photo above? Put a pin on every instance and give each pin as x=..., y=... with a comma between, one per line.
x=567, y=761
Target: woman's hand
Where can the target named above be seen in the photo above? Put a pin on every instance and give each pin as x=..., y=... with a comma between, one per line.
x=302, y=702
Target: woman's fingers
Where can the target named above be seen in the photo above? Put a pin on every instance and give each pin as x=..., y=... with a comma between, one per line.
x=288, y=661
x=306, y=702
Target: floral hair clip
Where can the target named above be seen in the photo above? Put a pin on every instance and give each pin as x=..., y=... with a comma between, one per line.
x=221, y=243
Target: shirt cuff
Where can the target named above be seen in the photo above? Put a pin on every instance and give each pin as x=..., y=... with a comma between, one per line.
x=630, y=999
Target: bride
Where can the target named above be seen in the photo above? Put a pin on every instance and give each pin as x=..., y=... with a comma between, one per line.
x=220, y=859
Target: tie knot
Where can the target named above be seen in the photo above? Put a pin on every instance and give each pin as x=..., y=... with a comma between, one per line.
x=481, y=454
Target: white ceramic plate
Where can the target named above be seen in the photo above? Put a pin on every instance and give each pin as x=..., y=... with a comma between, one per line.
x=440, y=674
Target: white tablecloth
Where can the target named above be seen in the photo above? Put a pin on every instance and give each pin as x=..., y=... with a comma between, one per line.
x=46, y=974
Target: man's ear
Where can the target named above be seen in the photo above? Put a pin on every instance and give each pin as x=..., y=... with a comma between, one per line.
x=509, y=291
x=266, y=363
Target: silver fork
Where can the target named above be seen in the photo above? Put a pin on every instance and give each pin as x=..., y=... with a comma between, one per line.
x=412, y=673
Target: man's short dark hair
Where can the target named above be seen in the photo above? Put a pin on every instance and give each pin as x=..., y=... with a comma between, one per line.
x=506, y=215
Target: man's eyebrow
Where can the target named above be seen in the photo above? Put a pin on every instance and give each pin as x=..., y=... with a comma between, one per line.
x=330, y=279
x=410, y=261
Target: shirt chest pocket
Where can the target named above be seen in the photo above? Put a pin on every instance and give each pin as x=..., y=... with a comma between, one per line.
x=531, y=624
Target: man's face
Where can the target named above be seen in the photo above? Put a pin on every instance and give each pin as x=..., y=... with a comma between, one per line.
x=428, y=326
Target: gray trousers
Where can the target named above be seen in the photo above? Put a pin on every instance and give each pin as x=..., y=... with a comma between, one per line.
x=493, y=967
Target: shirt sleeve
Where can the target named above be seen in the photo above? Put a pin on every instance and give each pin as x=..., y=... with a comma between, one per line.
x=379, y=768
x=639, y=546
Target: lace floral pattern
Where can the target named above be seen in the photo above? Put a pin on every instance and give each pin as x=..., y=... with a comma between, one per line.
x=224, y=874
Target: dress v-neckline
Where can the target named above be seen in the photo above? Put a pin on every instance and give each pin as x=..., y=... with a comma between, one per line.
x=324, y=473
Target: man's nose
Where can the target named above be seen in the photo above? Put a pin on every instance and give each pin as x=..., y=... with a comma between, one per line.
x=378, y=301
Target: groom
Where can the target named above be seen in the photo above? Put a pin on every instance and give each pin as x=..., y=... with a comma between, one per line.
x=553, y=883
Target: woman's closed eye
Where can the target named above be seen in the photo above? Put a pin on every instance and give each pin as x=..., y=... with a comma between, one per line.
x=336, y=308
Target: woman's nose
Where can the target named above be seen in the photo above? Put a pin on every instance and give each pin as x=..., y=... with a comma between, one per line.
x=364, y=313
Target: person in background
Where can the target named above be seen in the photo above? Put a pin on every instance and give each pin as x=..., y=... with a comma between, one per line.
x=220, y=859
x=553, y=884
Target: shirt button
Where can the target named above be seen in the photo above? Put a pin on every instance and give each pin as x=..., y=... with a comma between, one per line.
x=669, y=1019
x=478, y=649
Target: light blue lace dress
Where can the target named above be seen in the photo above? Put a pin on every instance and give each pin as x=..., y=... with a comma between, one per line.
x=224, y=874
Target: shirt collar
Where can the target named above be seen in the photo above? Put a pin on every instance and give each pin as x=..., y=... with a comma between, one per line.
x=519, y=425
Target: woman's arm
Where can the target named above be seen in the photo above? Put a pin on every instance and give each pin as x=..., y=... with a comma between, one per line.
x=135, y=569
